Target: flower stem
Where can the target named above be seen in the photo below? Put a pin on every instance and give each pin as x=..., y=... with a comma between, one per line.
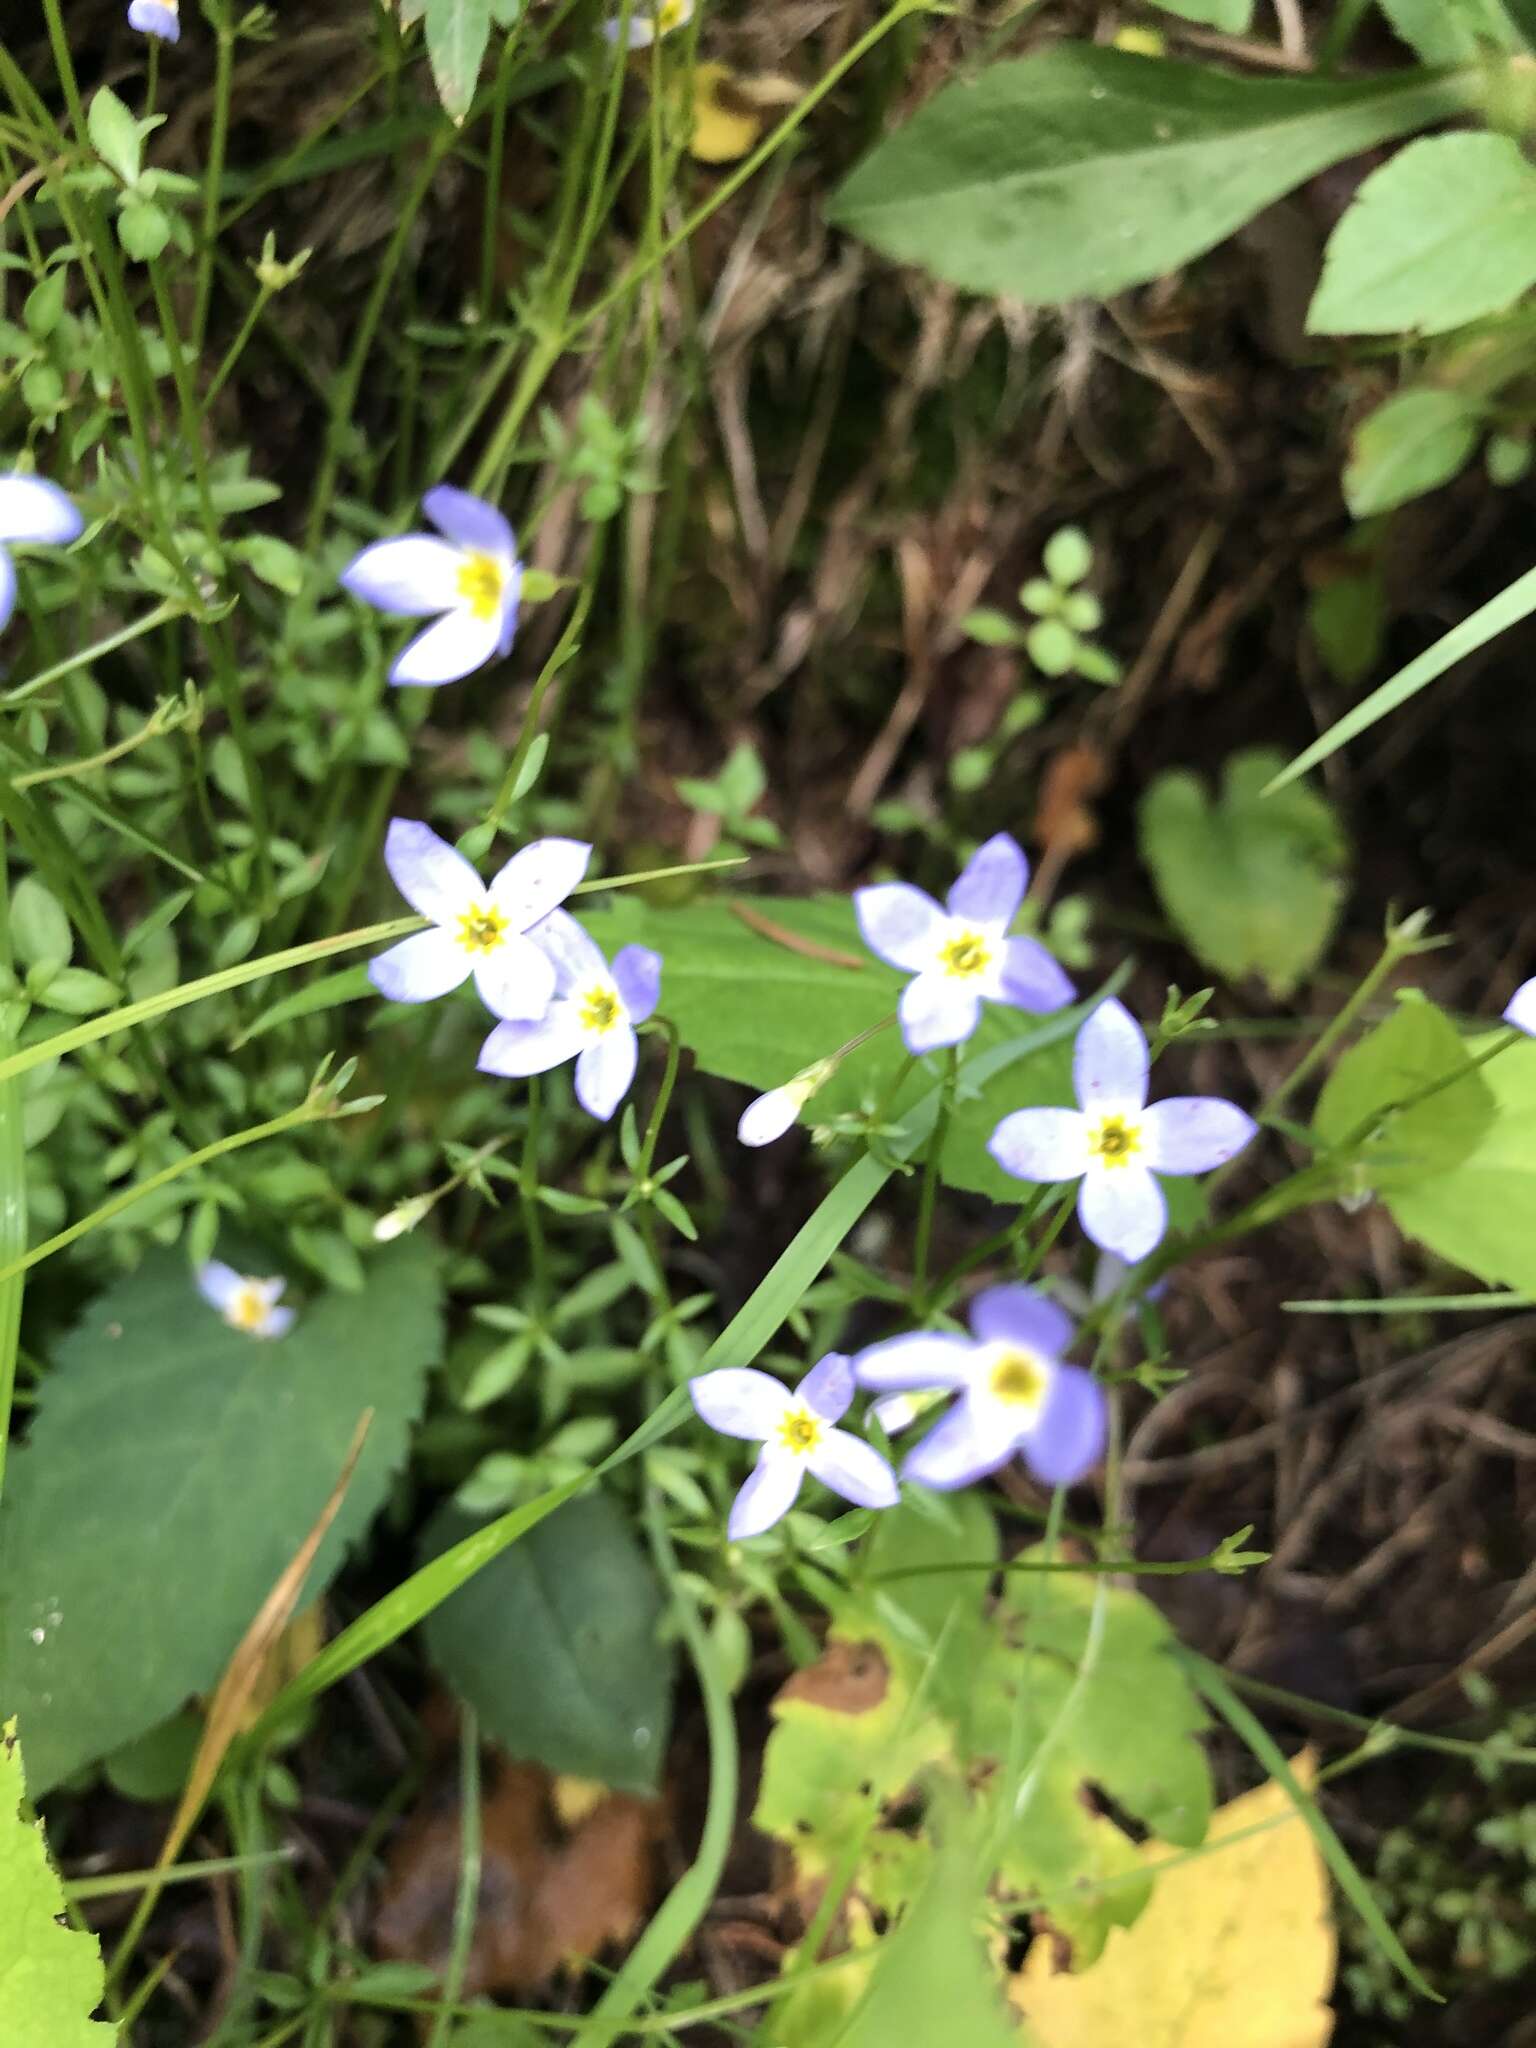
x=933, y=1159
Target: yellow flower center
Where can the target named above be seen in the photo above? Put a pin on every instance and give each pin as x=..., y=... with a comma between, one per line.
x=800, y=1430
x=671, y=14
x=248, y=1308
x=481, y=583
x=599, y=1010
x=482, y=928
x=1115, y=1141
x=1018, y=1377
x=965, y=956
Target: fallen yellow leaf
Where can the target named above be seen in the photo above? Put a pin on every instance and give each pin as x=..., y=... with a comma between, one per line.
x=731, y=111
x=1236, y=1949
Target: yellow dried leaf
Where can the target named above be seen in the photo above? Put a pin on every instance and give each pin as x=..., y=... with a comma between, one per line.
x=731, y=111
x=1237, y=1948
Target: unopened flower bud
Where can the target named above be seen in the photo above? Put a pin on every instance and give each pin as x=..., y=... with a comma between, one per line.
x=769, y=1116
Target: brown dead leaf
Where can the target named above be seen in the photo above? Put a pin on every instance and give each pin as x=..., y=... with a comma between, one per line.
x=848, y=1678
x=1064, y=818
x=550, y=1899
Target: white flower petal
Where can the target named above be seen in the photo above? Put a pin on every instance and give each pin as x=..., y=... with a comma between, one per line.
x=415, y=574
x=1042, y=1145
x=538, y=878
x=518, y=1050
x=768, y=1116
x=768, y=1495
x=32, y=509
x=854, y=1469
x=433, y=877
x=604, y=1069
x=420, y=969
x=738, y=1400
x=218, y=1284
x=925, y=1358
x=455, y=647
x=470, y=522
x=1123, y=1210
x=516, y=981
x=7, y=588
x=901, y=923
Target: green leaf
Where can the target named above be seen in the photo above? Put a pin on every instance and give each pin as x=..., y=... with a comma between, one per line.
x=1412, y=444
x=115, y=134
x=40, y=931
x=1417, y=1046
x=1084, y=170
x=1445, y=32
x=51, y=1979
x=174, y=1467
x=1443, y=234
x=79, y=993
x=275, y=562
x=1253, y=884
x=556, y=1645
x=143, y=229
x=1480, y=1210
x=1232, y=17
x=1068, y=556
x=457, y=33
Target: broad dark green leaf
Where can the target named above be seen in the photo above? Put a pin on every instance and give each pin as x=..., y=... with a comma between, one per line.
x=174, y=1467
x=1443, y=234
x=1254, y=883
x=556, y=1645
x=1084, y=170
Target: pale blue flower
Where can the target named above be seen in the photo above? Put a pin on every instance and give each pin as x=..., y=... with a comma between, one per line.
x=1521, y=1008
x=592, y=1018
x=478, y=929
x=472, y=577
x=246, y=1304
x=649, y=21
x=31, y=509
x=797, y=1433
x=1116, y=1142
x=961, y=956
x=1016, y=1394
x=156, y=18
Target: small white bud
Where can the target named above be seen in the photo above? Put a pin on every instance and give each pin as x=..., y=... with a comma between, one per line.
x=770, y=1116
x=403, y=1217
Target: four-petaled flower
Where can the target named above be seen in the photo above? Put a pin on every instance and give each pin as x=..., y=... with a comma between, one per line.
x=797, y=1433
x=649, y=21
x=156, y=18
x=472, y=577
x=31, y=509
x=1015, y=1393
x=1115, y=1141
x=478, y=929
x=592, y=1018
x=246, y=1304
x=961, y=954
x=1521, y=1008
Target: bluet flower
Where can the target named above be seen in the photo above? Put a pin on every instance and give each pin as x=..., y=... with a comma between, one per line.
x=477, y=929
x=796, y=1430
x=156, y=18
x=769, y=1116
x=961, y=955
x=591, y=1020
x=649, y=21
x=31, y=509
x=471, y=576
x=1015, y=1393
x=245, y=1303
x=1114, y=1141
x=1521, y=1008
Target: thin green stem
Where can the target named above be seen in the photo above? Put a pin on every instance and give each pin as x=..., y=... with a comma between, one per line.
x=928, y=1196
x=528, y=1195
x=213, y=174
x=170, y=609
x=466, y=1903
x=668, y=1030
x=13, y=1200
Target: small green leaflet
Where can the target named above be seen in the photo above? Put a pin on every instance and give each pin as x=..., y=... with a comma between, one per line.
x=1443, y=234
x=457, y=33
x=1412, y=444
x=1083, y=170
x=173, y=1468
x=1253, y=883
x=51, y=1978
x=1413, y=1051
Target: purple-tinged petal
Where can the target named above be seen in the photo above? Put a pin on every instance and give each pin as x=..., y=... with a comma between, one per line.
x=1018, y=1315
x=433, y=877
x=1519, y=1011
x=420, y=969
x=1192, y=1133
x=829, y=1386
x=738, y=1400
x=218, y=1284
x=578, y=960
x=1123, y=1210
x=1109, y=1060
x=537, y=880
x=470, y=522
x=1068, y=1439
x=279, y=1321
x=517, y=1050
x=960, y=1450
x=510, y=601
x=637, y=977
x=155, y=18
x=604, y=1069
x=1042, y=1144
x=902, y=924
x=32, y=509
x=7, y=588
x=1032, y=979
x=935, y=1011
x=854, y=1469
x=991, y=885
x=768, y=1495
x=455, y=647
x=925, y=1358
x=416, y=575
x=516, y=981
